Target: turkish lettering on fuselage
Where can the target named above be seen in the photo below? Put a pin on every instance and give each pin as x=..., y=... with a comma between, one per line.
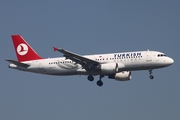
x=127, y=55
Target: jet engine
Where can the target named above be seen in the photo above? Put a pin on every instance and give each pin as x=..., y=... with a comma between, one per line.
x=109, y=68
x=121, y=76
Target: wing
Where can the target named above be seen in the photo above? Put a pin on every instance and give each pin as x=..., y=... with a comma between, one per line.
x=85, y=62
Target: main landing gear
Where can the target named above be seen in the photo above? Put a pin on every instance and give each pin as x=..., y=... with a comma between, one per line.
x=150, y=74
x=99, y=82
x=90, y=78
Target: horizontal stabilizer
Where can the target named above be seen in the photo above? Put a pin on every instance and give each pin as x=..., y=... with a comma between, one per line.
x=18, y=63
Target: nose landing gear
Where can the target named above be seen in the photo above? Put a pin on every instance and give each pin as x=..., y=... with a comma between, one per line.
x=150, y=74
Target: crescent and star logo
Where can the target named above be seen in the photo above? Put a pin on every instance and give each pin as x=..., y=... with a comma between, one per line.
x=22, y=49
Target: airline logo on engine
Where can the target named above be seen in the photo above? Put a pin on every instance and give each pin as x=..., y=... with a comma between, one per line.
x=22, y=49
x=128, y=55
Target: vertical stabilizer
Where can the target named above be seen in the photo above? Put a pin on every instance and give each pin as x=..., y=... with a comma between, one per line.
x=24, y=51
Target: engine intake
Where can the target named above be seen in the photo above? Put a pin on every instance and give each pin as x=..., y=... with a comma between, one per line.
x=121, y=76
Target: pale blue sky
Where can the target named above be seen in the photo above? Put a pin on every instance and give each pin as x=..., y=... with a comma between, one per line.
x=89, y=27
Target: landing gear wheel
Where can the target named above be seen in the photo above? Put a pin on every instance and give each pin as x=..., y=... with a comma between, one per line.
x=99, y=83
x=90, y=78
x=150, y=73
x=151, y=77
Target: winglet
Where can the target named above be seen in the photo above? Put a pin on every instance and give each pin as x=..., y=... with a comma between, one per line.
x=55, y=49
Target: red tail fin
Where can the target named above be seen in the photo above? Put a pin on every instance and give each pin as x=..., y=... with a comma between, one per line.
x=24, y=51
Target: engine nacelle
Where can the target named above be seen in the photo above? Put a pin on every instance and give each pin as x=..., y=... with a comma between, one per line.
x=109, y=68
x=121, y=76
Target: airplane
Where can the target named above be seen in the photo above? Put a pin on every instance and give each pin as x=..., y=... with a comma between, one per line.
x=117, y=66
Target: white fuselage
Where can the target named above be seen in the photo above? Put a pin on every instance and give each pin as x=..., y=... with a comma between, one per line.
x=127, y=61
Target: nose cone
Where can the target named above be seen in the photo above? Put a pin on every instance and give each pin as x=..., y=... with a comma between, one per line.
x=170, y=61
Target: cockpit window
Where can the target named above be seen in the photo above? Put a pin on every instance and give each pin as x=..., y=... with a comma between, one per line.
x=161, y=55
